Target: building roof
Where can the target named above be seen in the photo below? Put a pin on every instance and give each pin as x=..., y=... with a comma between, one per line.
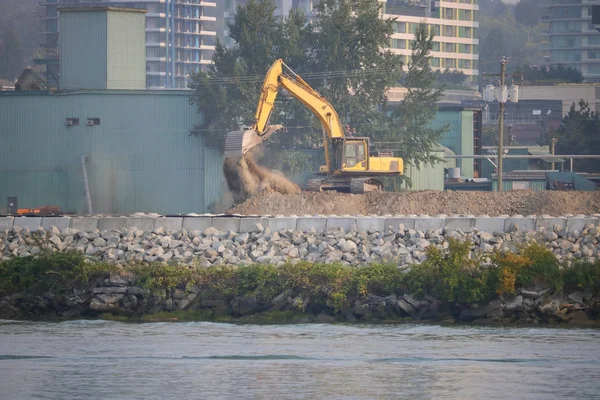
x=543, y=152
x=522, y=175
x=161, y=92
x=102, y=8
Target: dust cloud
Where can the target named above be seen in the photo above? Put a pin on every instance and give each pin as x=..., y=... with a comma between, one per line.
x=245, y=179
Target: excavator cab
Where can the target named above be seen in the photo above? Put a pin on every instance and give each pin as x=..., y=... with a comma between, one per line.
x=349, y=154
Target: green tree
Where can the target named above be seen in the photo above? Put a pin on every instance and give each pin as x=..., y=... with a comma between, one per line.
x=342, y=55
x=527, y=12
x=11, y=56
x=226, y=95
x=351, y=39
x=551, y=75
x=578, y=134
x=412, y=120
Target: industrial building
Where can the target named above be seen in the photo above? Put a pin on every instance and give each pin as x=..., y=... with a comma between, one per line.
x=180, y=37
x=133, y=145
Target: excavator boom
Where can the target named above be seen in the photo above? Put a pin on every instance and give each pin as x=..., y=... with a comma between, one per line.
x=238, y=143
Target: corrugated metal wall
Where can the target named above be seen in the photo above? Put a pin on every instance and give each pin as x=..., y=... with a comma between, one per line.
x=430, y=177
x=126, y=55
x=142, y=158
x=535, y=185
x=83, y=50
x=459, y=137
x=508, y=164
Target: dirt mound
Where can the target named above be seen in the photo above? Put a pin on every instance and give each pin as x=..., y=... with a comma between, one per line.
x=424, y=202
x=245, y=179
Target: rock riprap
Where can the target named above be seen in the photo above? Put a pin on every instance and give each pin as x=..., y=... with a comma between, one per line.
x=355, y=247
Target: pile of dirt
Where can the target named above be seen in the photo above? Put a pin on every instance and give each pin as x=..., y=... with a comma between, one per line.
x=246, y=179
x=554, y=203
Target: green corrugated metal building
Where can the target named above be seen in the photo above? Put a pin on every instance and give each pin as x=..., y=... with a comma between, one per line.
x=142, y=158
x=141, y=155
x=460, y=137
x=102, y=48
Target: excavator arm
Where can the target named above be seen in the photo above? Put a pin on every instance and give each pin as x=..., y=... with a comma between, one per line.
x=239, y=142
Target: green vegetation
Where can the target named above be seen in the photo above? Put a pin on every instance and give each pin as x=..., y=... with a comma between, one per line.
x=452, y=275
x=342, y=53
x=578, y=134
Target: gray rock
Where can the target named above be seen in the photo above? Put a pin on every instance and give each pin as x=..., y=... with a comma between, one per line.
x=513, y=303
x=210, y=231
x=576, y=297
x=470, y=314
x=347, y=246
x=407, y=308
x=99, y=242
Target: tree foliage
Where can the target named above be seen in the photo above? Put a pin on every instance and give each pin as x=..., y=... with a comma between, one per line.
x=504, y=35
x=341, y=55
x=18, y=35
x=579, y=134
x=411, y=119
x=550, y=75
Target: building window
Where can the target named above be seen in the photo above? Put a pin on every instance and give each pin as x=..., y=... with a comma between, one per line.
x=434, y=61
x=593, y=54
x=71, y=121
x=436, y=46
x=464, y=64
x=448, y=63
x=449, y=47
x=464, y=32
x=449, y=31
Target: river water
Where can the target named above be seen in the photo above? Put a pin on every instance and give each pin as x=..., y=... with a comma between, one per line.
x=201, y=360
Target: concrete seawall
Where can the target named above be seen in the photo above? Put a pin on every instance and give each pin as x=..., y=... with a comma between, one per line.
x=307, y=223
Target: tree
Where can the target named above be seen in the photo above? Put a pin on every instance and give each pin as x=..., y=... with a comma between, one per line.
x=350, y=36
x=550, y=75
x=342, y=55
x=11, y=57
x=578, y=134
x=226, y=95
x=412, y=119
x=18, y=35
x=527, y=12
x=448, y=77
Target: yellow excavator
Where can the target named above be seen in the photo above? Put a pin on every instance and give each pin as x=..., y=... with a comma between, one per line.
x=349, y=168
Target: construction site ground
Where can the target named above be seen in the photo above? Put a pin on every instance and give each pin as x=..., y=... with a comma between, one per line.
x=555, y=203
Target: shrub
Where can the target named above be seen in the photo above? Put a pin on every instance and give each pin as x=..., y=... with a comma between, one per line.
x=46, y=273
x=543, y=270
x=583, y=275
x=507, y=266
x=451, y=274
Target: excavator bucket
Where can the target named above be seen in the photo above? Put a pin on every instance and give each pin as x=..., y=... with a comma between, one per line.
x=238, y=143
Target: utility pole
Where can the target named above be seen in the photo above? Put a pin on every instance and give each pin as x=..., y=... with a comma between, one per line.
x=552, y=143
x=501, y=106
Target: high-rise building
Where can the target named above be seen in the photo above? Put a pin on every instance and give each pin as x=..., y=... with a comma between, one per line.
x=454, y=24
x=227, y=9
x=574, y=40
x=180, y=37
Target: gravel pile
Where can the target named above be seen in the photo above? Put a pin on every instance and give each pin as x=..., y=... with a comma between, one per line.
x=555, y=203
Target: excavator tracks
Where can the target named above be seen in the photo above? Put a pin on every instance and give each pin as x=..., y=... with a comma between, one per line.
x=363, y=185
x=313, y=185
x=344, y=185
